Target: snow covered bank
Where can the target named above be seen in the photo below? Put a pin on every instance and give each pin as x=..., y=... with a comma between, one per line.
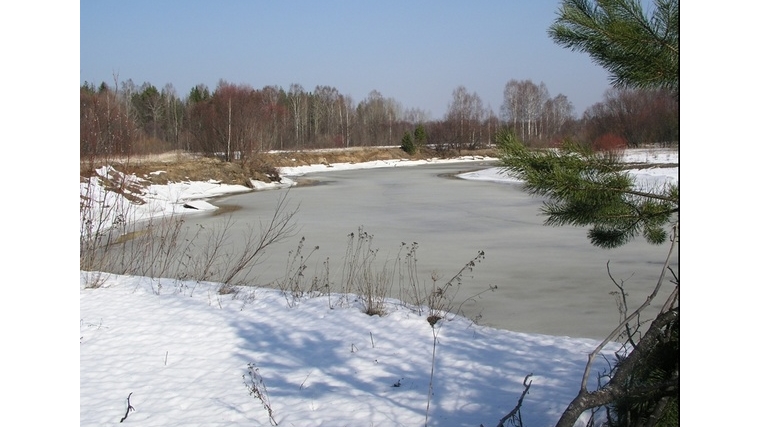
x=183, y=355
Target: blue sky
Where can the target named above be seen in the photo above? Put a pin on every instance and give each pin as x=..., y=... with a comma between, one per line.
x=416, y=52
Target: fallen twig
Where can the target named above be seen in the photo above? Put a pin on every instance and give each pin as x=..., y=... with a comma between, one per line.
x=129, y=407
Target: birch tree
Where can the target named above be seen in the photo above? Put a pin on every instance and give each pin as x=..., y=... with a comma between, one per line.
x=298, y=103
x=523, y=106
x=465, y=112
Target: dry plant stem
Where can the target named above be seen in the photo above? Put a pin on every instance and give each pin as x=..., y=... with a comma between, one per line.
x=432, y=371
x=112, y=241
x=159, y=249
x=415, y=293
x=168, y=250
x=96, y=227
x=100, y=220
x=278, y=229
x=292, y=285
x=637, y=312
x=257, y=389
x=491, y=288
x=439, y=302
x=211, y=250
x=516, y=411
x=361, y=277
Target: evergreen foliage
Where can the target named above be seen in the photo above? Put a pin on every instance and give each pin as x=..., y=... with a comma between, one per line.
x=88, y=88
x=640, y=51
x=407, y=144
x=199, y=93
x=420, y=136
x=586, y=188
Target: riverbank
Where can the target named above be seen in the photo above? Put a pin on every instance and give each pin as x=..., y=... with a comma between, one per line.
x=265, y=167
x=137, y=189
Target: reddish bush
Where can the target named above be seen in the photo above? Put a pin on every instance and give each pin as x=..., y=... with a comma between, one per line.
x=609, y=142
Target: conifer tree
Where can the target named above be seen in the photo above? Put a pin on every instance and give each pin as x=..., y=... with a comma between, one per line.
x=420, y=136
x=407, y=144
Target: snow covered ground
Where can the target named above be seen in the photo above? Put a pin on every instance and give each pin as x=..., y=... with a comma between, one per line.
x=178, y=353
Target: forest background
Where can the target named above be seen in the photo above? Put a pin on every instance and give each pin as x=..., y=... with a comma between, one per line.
x=236, y=120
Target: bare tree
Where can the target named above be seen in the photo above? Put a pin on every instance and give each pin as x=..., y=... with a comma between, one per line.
x=105, y=128
x=637, y=115
x=174, y=116
x=523, y=106
x=373, y=117
x=298, y=103
x=465, y=112
x=347, y=118
x=556, y=113
x=272, y=119
x=416, y=116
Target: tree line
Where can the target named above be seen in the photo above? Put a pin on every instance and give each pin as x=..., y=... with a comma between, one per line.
x=237, y=120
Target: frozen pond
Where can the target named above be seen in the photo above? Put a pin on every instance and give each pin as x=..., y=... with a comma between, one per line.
x=549, y=280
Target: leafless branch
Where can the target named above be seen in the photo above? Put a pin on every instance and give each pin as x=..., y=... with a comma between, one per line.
x=616, y=386
x=636, y=313
x=515, y=413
